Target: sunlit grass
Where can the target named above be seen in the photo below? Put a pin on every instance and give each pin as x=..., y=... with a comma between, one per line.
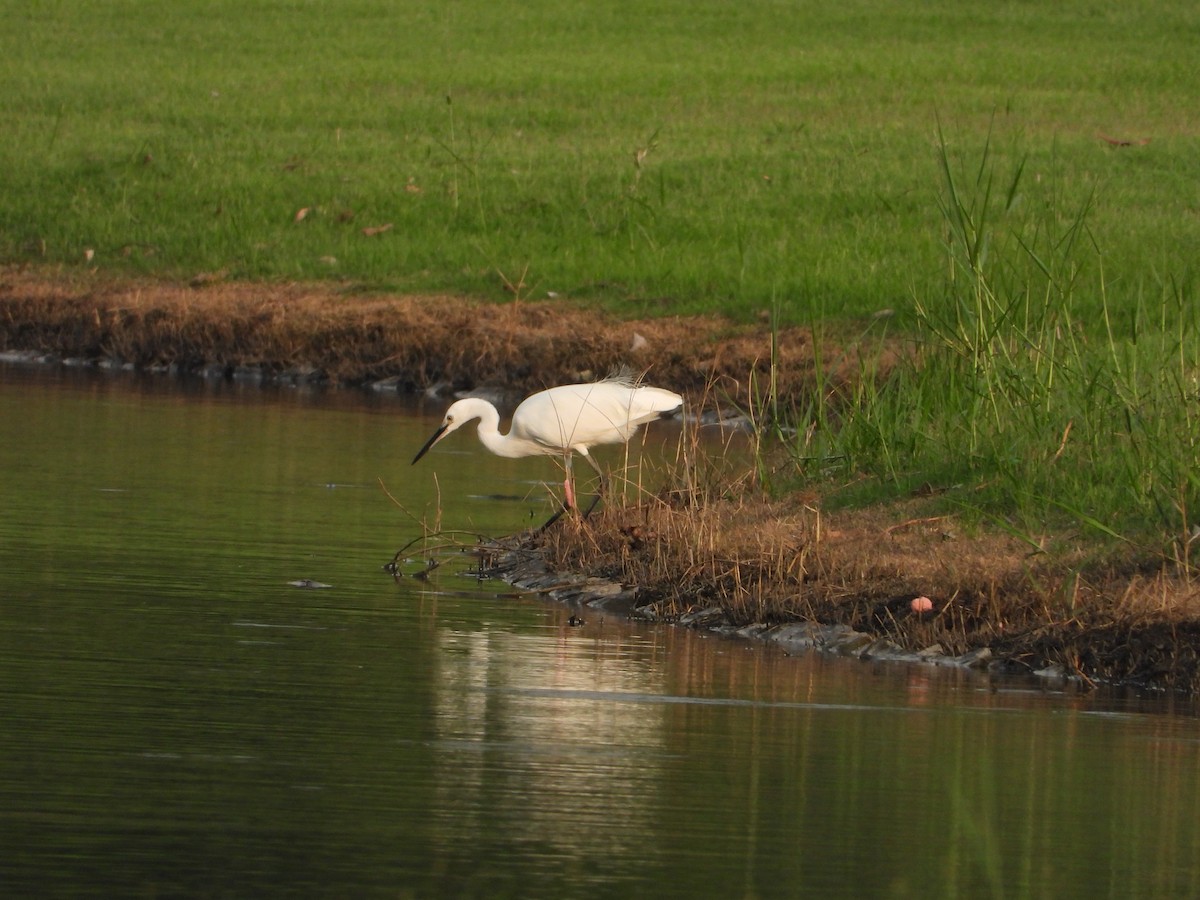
x=1015, y=407
x=679, y=157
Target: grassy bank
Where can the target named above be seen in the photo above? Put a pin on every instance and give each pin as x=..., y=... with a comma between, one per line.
x=679, y=157
x=1069, y=548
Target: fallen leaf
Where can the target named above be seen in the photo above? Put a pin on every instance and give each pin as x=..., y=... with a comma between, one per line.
x=208, y=278
x=301, y=214
x=371, y=231
x=1120, y=142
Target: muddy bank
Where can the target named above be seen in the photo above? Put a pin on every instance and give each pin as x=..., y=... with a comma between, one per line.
x=327, y=334
x=1007, y=617
x=519, y=561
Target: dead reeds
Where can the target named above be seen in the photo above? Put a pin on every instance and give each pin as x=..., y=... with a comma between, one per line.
x=757, y=561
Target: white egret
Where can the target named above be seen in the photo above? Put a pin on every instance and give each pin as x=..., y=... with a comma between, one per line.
x=564, y=420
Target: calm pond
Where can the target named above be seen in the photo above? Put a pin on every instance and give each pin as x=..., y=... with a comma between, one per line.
x=179, y=720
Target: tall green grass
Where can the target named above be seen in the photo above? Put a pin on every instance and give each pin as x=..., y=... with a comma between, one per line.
x=666, y=157
x=1013, y=403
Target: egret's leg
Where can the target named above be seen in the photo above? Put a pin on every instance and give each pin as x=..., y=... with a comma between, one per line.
x=554, y=518
x=603, y=486
x=568, y=497
x=569, y=486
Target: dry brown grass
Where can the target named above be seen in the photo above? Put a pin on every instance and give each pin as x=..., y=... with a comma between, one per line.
x=352, y=338
x=760, y=561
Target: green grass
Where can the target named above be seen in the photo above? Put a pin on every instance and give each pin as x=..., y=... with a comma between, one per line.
x=788, y=150
x=1014, y=406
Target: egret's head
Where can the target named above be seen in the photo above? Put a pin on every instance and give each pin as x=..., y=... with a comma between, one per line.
x=455, y=418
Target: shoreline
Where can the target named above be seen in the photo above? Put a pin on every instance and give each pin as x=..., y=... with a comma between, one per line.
x=528, y=571
x=1146, y=655
x=524, y=568
x=842, y=581
x=334, y=334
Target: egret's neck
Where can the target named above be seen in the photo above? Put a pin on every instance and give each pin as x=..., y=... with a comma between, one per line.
x=489, y=425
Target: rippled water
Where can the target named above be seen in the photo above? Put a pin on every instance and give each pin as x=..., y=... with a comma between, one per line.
x=178, y=719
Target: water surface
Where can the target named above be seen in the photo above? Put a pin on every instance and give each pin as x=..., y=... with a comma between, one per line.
x=178, y=719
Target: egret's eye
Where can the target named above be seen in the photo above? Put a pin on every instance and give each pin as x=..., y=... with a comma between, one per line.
x=449, y=419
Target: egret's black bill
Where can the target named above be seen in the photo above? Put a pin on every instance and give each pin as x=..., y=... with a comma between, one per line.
x=437, y=435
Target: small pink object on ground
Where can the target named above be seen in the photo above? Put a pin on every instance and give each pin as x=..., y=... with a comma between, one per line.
x=922, y=605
